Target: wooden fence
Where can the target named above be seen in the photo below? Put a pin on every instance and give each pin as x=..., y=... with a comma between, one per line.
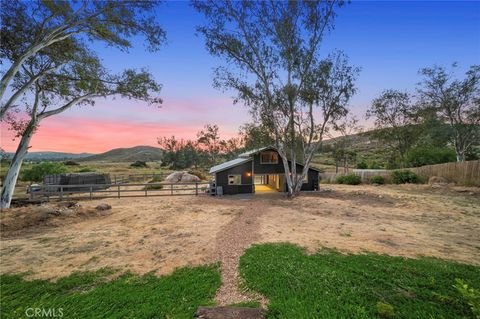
x=96, y=191
x=460, y=173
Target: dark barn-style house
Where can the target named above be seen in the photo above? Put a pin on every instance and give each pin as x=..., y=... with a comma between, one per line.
x=255, y=171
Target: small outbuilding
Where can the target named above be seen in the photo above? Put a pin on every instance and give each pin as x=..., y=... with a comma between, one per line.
x=259, y=170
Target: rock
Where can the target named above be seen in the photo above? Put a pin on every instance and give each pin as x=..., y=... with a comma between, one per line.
x=185, y=177
x=103, y=207
x=229, y=313
x=437, y=180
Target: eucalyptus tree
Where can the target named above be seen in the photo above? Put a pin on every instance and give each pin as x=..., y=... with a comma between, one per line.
x=272, y=50
x=51, y=68
x=395, y=118
x=31, y=28
x=79, y=81
x=456, y=102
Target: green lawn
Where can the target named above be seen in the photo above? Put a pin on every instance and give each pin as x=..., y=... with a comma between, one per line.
x=332, y=285
x=91, y=295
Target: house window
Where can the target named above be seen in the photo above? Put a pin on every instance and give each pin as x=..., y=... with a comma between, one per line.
x=305, y=178
x=234, y=179
x=269, y=158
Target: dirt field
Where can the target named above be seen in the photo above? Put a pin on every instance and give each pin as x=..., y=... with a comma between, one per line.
x=159, y=234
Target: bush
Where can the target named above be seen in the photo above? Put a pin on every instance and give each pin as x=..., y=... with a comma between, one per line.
x=349, y=179
x=404, y=176
x=377, y=179
x=385, y=310
x=85, y=170
x=470, y=295
x=362, y=165
x=71, y=163
x=139, y=164
x=39, y=171
x=198, y=173
x=421, y=156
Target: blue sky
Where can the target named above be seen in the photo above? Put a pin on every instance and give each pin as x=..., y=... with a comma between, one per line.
x=389, y=40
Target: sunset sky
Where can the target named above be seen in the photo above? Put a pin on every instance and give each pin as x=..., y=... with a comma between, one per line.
x=390, y=41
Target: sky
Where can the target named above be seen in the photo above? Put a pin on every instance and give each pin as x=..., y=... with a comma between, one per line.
x=390, y=41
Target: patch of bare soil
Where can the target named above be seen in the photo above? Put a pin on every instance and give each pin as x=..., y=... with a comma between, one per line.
x=26, y=218
x=138, y=234
x=406, y=220
x=162, y=233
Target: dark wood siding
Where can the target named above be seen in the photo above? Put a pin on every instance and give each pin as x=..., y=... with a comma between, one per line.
x=242, y=169
x=259, y=168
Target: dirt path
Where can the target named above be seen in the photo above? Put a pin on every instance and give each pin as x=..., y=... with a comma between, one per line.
x=231, y=242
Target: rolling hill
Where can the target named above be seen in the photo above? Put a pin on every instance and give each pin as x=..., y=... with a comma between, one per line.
x=131, y=154
x=50, y=156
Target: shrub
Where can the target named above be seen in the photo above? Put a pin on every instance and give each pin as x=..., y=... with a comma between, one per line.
x=153, y=186
x=71, y=163
x=421, y=156
x=37, y=172
x=349, y=179
x=198, y=173
x=139, y=164
x=377, y=179
x=362, y=165
x=385, y=310
x=85, y=170
x=404, y=176
x=470, y=295
x=156, y=179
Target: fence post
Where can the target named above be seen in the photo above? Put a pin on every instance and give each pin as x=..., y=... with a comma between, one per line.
x=171, y=189
x=61, y=192
x=196, y=188
x=91, y=189
x=118, y=190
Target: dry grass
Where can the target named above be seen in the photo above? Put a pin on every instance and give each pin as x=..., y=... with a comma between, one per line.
x=160, y=234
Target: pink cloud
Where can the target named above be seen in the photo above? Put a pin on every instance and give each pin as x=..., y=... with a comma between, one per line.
x=121, y=125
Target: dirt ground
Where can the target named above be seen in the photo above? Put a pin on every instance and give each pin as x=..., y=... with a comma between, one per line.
x=162, y=233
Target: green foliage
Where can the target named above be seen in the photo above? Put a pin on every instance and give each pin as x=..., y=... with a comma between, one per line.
x=92, y=295
x=86, y=170
x=362, y=165
x=385, y=310
x=377, y=179
x=349, y=179
x=37, y=172
x=70, y=163
x=404, y=176
x=470, y=296
x=329, y=284
x=200, y=174
x=420, y=156
x=152, y=186
x=139, y=164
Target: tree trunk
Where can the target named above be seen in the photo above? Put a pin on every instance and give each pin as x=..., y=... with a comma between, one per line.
x=14, y=169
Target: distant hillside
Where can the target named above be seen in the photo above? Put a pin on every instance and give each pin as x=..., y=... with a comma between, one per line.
x=50, y=156
x=137, y=153
x=367, y=148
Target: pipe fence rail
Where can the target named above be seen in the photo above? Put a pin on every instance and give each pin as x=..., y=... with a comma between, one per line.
x=97, y=191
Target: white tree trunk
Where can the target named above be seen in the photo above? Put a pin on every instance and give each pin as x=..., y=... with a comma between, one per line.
x=14, y=169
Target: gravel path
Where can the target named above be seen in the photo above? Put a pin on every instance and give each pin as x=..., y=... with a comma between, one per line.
x=231, y=242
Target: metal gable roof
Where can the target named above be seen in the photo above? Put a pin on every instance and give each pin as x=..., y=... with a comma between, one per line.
x=250, y=153
x=226, y=165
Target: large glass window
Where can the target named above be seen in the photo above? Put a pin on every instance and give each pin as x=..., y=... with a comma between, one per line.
x=269, y=158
